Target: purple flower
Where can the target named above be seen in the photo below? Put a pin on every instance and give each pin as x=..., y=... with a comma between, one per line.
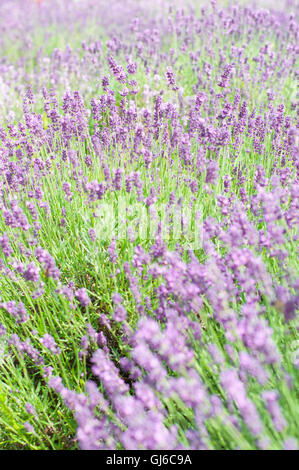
x=92, y=234
x=18, y=311
x=30, y=409
x=212, y=172
x=224, y=80
x=5, y=245
x=49, y=343
x=253, y=367
x=290, y=443
x=32, y=273
x=107, y=372
x=271, y=399
x=236, y=391
x=82, y=296
x=120, y=313
x=48, y=263
x=171, y=79
x=112, y=252
x=29, y=427
x=2, y=330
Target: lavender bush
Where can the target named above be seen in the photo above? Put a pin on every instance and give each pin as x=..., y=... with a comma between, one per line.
x=148, y=225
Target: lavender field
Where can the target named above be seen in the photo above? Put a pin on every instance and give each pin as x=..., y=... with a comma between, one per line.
x=149, y=208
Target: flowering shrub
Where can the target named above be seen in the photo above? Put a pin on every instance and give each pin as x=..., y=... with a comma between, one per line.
x=148, y=226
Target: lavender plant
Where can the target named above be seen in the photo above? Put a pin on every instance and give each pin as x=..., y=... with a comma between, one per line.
x=149, y=225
